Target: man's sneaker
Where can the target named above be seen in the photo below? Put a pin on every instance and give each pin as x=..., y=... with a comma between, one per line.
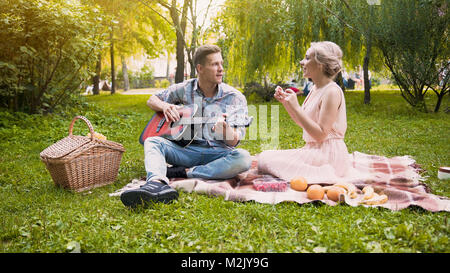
x=150, y=192
x=176, y=172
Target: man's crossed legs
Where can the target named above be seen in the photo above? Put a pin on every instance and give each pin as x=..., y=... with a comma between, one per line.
x=200, y=162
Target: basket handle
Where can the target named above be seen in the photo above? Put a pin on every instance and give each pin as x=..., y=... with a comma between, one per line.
x=91, y=129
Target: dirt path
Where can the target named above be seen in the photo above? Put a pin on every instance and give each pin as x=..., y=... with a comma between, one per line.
x=143, y=91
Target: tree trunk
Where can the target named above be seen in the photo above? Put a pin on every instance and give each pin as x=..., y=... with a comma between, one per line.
x=34, y=101
x=113, y=70
x=168, y=67
x=96, y=78
x=180, y=28
x=193, y=70
x=179, y=73
x=195, y=30
x=438, y=103
x=126, y=81
x=366, y=72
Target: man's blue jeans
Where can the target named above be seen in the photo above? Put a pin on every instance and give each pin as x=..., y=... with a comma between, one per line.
x=203, y=162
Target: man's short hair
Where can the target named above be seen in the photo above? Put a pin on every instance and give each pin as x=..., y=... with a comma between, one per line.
x=203, y=51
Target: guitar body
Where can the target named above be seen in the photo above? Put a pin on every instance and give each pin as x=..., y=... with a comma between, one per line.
x=158, y=125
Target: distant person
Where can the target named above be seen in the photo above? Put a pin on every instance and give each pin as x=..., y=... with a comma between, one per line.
x=88, y=90
x=293, y=86
x=358, y=80
x=443, y=75
x=345, y=78
x=369, y=74
x=307, y=87
x=340, y=81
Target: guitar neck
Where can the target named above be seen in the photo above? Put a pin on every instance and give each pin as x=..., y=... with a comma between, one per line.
x=197, y=120
x=211, y=120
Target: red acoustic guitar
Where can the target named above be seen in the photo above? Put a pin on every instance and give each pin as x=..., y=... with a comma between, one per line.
x=182, y=129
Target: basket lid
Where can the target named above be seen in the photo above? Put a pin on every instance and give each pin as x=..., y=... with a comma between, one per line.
x=64, y=146
x=71, y=143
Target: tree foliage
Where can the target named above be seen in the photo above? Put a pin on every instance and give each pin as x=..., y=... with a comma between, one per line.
x=254, y=40
x=178, y=19
x=50, y=51
x=132, y=29
x=414, y=41
x=199, y=30
x=188, y=24
x=265, y=40
x=355, y=24
x=268, y=39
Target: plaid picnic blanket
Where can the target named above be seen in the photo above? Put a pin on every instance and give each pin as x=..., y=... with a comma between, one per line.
x=398, y=177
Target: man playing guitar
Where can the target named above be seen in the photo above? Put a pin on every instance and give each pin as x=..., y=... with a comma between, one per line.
x=212, y=153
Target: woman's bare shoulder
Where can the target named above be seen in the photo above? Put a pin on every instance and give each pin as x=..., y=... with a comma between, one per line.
x=333, y=95
x=333, y=90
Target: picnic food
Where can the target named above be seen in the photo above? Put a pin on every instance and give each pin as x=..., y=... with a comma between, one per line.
x=333, y=193
x=349, y=188
x=273, y=185
x=368, y=192
x=299, y=183
x=315, y=192
x=97, y=135
x=376, y=199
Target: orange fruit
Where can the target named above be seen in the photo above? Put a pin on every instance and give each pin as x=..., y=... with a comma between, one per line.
x=334, y=192
x=315, y=192
x=299, y=183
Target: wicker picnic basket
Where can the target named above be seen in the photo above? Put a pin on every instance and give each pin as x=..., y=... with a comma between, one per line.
x=80, y=163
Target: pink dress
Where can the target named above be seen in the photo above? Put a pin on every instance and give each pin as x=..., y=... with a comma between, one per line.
x=318, y=162
x=328, y=162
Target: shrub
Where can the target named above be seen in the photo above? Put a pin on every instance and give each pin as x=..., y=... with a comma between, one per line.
x=50, y=48
x=139, y=79
x=165, y=83
x=142, y=78
x=375, y=81
x=414, y=42
x=254, y=89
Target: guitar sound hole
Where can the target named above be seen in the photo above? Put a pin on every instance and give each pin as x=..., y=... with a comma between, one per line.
x=175, y=124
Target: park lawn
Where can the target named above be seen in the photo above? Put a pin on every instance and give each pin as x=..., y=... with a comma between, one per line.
x=39, y=217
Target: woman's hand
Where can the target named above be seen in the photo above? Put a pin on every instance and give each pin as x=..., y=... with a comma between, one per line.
x=279, y=94
x=286, y=97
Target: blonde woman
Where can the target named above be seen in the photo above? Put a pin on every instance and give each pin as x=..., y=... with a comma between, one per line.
x=322, y=118
x=325, y=158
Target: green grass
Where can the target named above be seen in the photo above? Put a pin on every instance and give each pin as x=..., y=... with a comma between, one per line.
x=39, y=217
